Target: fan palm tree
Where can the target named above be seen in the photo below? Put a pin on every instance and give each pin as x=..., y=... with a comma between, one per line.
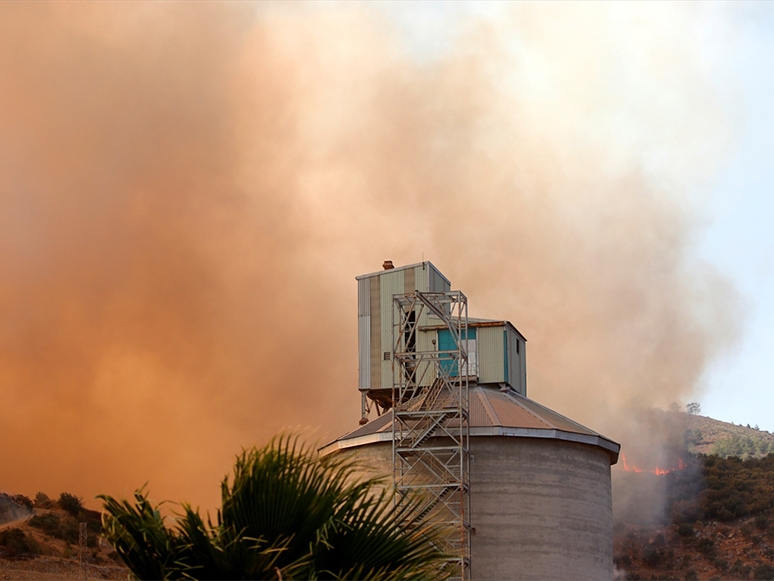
x=286, y=514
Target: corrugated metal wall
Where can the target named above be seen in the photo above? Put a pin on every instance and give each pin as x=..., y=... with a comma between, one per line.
x=523, y=367
x=437, y=282
x=376, y=332
x=392, y=283
x=500, y=353
x=516, y=367
x=409, y=280
x=375, y=319
x=491, y=354
x=364, y=333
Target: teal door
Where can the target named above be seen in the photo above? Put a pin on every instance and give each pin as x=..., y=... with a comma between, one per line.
x=446, y=343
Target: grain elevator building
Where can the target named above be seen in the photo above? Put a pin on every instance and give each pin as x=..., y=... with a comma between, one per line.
x=525, y=490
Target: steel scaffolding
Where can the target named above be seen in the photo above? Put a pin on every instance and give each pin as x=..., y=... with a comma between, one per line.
x=430, y=426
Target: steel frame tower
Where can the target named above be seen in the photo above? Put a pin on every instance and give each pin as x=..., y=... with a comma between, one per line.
x=430, y=425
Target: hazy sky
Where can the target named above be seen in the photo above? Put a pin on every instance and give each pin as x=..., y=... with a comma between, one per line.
x=734, y=206
x=739, y=238
x=189, y=189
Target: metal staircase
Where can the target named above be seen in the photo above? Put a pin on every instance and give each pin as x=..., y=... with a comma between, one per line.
x=430, y=426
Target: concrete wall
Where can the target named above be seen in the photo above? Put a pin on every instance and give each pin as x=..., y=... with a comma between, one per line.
x=541, y=508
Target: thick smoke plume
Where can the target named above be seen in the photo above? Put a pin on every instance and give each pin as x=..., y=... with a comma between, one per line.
x=188, y=191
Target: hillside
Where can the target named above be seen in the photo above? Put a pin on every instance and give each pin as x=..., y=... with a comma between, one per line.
x=42, y=540
x=709, y=519
x=707, y=436
x=711, y=550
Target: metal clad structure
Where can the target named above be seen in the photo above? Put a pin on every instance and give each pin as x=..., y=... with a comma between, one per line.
x=364, y=333
x=409, y=280
x=405, y=369
x=375, y=293
x=496, y=352
x=491, y=362
x=514, y=362
x=376, y=333
x=438, y=283
x=392, y=283
x=542, y=503
x=523, y=364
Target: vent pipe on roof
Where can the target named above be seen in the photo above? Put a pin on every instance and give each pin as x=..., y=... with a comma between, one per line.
x=387, y=265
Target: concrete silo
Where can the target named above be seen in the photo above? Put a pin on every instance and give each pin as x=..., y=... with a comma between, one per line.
x=527, y=489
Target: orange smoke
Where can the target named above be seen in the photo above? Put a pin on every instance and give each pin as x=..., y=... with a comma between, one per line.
x=189, y=189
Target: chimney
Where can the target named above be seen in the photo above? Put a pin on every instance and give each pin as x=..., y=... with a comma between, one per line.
x=387, y=265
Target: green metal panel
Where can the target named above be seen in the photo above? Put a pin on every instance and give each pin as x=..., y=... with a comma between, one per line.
x=515, y=368
x=364, y=333
x=491, y=355
x=392, y=283
x=376, y=333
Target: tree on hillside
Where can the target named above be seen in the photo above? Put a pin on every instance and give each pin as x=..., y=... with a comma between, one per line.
x=70, y=503
x=286, y=514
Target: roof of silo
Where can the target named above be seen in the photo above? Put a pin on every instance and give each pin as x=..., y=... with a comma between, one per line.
x=494, y=412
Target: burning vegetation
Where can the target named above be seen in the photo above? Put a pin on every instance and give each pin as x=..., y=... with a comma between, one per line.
x=658, y=471
x=685, y=511
x=716, y=522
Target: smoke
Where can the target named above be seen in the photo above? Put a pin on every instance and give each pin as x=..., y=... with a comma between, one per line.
x=188, y=191
x=11, y=509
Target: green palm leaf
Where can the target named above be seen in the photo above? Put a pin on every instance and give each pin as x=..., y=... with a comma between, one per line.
x=286, y=513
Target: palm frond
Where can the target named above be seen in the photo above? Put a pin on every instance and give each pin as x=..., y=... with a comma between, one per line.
x=285, y=513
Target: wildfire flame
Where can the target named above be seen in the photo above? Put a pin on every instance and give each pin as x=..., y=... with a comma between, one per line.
x=659, y=471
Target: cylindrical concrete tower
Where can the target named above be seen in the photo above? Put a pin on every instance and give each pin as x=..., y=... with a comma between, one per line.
x=540, y=492
x=528, y=489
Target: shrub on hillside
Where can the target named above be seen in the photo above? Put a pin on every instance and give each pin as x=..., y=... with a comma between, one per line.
x=741, y=570
x=653, y=557
x=763, y=572
x=744, y=447
x=59, y=528
x=48, y=523
x=723, y=489
x=707, y=546
x=68, y=530
x=43, y=501
x=693, y=437
x=70, y=503
x=16, y=543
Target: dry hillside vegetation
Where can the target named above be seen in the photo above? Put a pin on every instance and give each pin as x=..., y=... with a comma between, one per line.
x=739, y=550
x=707, y=436
x=718, y=514
x=40, y=539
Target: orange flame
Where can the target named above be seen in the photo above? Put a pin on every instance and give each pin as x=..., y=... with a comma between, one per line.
x=659, y=471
